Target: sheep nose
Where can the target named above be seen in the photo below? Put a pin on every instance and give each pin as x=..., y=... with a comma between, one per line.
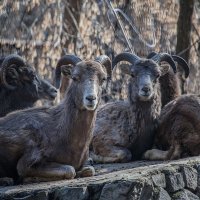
x=146, y=89
x=91, y=98
x=54, y=90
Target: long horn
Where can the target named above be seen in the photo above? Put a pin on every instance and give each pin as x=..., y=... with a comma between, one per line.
x=7, y=62
x=151, y=55
x=165, y=57
x=65, y=60
x=1, y=60
x=183, y=64
x=106, y=62
x=125, y=56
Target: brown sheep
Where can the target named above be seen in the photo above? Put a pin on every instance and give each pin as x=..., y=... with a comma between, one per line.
x=170, y=83
x=53, y=142
x=178, y=133
x=124, y=130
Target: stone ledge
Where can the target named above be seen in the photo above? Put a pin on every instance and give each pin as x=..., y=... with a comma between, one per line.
x=136, y=180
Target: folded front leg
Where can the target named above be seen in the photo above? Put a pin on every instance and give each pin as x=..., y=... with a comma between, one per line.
x=155, y=154
x=86, y=171
x=49, y=170
x=112, y=154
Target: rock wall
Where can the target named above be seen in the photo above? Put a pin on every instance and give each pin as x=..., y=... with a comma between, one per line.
x=179, y=180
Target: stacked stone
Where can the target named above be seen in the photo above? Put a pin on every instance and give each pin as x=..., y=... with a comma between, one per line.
x=176, y=180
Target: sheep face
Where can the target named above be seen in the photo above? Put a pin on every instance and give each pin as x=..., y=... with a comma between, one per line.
x=145, y=75
x=30, y=85
x=88, y=80
x=46, y=90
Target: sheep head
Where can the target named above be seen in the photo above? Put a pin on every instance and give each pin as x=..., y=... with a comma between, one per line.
x=17, y=75
x=46, y=90
x=87, y=79
x=144, y=74
x=177, y=59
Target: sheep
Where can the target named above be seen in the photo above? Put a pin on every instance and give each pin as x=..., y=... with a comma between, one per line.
x=125, y=129
x=170, y=82
x=178, y=133
x=66, y=81
x=53, y=142
x=21, y=86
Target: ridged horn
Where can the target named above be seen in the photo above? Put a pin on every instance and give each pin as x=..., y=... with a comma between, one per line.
x=106, y=62
x=12, y=59
x=125, y=56
x=165, y=57
x=152, y=54
x=183, y=64
x=64, y=60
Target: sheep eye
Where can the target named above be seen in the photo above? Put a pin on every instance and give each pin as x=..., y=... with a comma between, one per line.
x=75, y=78
x=132, y=75
x=104, y=79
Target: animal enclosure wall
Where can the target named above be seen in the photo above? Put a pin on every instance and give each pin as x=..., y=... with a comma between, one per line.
x=42, y=31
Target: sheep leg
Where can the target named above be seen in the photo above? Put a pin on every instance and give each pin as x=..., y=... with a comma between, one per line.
x=174, y=152
x=155, y=154
x=53, y=171
x=114, y=154
x=86, y=171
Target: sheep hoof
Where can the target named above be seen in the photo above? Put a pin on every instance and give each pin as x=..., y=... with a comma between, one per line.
x=70, y=172
x=6, y=181
x=90, y=161
x=147, y=155
x=86, y=171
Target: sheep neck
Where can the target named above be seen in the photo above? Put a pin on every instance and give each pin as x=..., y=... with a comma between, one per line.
x=144, y=121
x=75, y=127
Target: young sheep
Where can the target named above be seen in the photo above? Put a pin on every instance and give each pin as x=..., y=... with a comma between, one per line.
x=53, y=142
x=125, y=129
x=66, y=81
x=178, y=133
x=21, y=86
x=170, y=82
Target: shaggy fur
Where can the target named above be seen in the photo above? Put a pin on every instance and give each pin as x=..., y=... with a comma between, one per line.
x=178, y=133
x=48, y=141
x=171, y=83
x=170, y=87
x=124, y=130
x=29, y=88
x=25, y=95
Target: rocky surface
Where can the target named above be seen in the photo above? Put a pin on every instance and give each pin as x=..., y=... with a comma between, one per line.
x=137, y=180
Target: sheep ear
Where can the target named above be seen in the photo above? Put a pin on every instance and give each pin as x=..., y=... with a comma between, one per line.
x=66, y=70
x=125, y=68
x=164, y=69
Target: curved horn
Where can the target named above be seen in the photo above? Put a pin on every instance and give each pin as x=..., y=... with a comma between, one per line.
x=152, y=54
x=65, y=60
x=125, y=56
x=183, y=64
x=165, y=57
x=8, y=61
x=106, y=62
x=1, y=60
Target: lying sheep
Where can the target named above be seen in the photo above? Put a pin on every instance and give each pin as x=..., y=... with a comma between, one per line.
x=170, y=82
x=178, y=133
x=124, y=130
x=21, y=86
x=53, y=142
